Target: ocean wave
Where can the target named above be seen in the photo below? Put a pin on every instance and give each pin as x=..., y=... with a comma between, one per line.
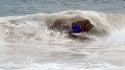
x=39, y=26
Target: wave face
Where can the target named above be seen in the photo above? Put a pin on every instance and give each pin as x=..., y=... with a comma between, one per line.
x=34, y=41
x=37, y=26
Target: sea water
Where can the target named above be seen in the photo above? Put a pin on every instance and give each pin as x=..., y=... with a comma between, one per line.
x=27, y=43
x=21, y=7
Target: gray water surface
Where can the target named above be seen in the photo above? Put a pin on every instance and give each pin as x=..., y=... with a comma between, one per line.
x=22, y=7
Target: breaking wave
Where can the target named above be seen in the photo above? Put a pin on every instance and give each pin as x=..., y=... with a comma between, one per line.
x=37, y=27
x=41, y=41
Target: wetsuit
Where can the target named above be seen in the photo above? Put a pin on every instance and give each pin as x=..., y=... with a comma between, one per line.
x=76, y=28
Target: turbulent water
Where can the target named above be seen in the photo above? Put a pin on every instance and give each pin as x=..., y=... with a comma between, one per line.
x=27, y=42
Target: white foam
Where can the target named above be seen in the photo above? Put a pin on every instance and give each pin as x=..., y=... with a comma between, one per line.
x=55, y=46
x=117, y=37
x=65, y=66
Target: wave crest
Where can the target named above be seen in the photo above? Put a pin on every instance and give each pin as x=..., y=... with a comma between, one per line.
x=40, y=26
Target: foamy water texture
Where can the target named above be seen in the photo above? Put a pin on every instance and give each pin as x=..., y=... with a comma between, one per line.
x=28, y=43
x=117, y=37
